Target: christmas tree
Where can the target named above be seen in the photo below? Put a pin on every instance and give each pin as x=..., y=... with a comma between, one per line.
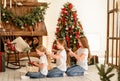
x=69, y=27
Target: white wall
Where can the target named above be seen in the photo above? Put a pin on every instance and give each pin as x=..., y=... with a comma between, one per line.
x=91, y=13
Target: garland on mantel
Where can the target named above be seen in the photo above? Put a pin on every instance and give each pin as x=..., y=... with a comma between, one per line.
x=29, y=19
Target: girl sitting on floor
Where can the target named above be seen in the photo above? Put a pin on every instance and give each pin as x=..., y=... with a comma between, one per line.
x=81, y=55
x=42, y=64
x=61, y=58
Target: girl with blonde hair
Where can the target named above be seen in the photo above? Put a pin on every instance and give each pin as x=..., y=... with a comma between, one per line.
x=81, y=55
x=42, y=64
x=61, y=57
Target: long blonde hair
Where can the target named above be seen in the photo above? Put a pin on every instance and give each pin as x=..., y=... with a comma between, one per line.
x=43, y=49
x=85, y=44
x=63, y=42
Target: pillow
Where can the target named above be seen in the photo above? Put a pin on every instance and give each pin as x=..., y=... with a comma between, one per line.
x=20, y=44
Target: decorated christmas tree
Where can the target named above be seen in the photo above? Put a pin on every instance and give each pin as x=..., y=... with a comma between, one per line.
x=69, y=27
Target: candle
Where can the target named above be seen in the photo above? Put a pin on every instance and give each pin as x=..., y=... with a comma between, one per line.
x=4, y=6
x=10, y=3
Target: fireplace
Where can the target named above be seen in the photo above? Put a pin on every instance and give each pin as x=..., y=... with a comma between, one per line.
x=29, y=33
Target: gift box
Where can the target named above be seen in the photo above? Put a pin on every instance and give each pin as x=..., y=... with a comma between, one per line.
x=30, y=67
x=2, y=62
x=93, y=60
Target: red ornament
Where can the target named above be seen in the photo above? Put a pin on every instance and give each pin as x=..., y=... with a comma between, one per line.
x=75, y=23
x=63, y=20
x=67, y=38
x=59, y=20
x=57, y=30
x=74, y=16
x=64, y=11
x=77, y=35
x=68, y=41
x=78, y=46
x=56, y=34
x=70, y=29
x=68, y=44
x=70, y=6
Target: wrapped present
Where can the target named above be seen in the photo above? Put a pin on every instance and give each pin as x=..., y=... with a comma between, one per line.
x=93, y=60
x=30, y=67
x=2, y=62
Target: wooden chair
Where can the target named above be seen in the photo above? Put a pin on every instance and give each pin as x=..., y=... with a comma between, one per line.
x=12, y=52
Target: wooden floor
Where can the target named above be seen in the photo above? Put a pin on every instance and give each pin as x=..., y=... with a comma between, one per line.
x=91, y=75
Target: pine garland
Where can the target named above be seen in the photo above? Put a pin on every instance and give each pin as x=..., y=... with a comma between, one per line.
x=29, y=19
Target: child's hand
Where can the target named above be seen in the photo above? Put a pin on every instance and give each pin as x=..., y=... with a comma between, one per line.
x=35, y=63
x=31, y=63
x=71, y=54
x=54, y=50
x=69, y=50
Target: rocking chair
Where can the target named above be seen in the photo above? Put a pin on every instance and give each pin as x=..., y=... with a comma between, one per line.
x=11, y=51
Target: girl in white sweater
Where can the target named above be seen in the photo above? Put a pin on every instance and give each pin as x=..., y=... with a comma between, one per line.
x=81, y=56
x=61, y=58
x=42, y=64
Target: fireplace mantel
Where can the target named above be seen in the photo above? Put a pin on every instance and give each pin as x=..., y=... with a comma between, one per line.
x=8, y=29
